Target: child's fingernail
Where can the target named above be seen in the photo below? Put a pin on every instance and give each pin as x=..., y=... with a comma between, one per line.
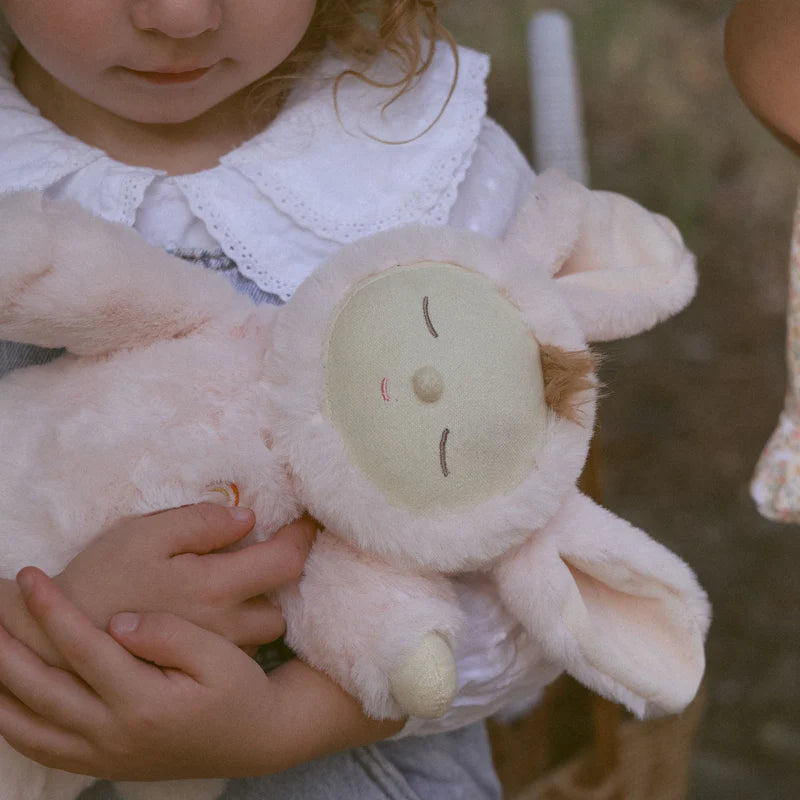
x=241, y=514
x=25, y=582
x=126, y=622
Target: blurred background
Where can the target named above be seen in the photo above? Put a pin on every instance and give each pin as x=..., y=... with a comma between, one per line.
x=690, y=405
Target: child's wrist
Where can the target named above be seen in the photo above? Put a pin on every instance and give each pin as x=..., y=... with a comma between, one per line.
x=314, y=717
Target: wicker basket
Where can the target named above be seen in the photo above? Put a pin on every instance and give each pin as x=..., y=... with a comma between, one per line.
x=621, y=758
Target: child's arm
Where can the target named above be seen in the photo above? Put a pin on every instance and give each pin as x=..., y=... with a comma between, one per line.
x=164, y=562
x=207, y=711
x=761, y=40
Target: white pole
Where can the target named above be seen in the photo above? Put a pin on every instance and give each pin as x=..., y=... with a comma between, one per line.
x=556, y=102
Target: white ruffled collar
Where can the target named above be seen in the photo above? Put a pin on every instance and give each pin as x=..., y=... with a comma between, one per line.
x=36, y=154
x=329, y=174
x=304, y=161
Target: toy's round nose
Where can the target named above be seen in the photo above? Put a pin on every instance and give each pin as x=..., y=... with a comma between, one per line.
x=428, y=384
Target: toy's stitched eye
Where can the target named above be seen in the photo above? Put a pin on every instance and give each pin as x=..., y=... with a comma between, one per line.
x=443, y=451
x=427, y=316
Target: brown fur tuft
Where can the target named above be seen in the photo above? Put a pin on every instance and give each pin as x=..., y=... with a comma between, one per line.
x=566, y=375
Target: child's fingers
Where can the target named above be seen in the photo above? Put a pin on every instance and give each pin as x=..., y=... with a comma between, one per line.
x=47, y=691
x=173, y=643
x=258, y=622
x=37, y=738
x=201, y=528
x=89, y=652
x=265, y=566
x=300, y=534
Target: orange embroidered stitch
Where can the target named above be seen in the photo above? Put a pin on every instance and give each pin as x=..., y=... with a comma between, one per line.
x=227, y=489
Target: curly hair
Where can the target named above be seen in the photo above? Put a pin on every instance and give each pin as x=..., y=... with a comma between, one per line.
x=362, y=30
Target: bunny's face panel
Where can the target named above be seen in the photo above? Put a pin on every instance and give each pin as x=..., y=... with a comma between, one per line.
x=409, y=403
x=434, y=384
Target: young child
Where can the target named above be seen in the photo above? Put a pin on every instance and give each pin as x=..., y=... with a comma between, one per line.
x=761, y=51
x=253, y=138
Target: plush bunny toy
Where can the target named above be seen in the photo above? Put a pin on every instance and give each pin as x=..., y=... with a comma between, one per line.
x=427, y=395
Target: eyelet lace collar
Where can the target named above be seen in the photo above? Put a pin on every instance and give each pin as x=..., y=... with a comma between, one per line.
x=342, y=176
x=36, y=154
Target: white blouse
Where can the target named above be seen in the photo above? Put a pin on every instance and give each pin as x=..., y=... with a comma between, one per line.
x=286, y=200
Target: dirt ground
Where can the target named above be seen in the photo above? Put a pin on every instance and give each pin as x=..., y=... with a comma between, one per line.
x=690, y=405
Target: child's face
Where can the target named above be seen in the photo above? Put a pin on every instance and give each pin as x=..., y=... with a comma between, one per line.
x=158, y=61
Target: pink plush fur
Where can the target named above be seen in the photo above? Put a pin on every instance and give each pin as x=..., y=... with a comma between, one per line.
x=173, y=383
x=368, y=615
x=623, y=614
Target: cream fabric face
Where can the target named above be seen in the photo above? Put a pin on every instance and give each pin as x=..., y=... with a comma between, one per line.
x=434, y=384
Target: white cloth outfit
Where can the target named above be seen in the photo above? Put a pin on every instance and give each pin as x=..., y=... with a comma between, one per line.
x=289, y=198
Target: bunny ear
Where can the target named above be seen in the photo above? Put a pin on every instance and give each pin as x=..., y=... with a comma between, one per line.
x=618, y=611
x=547, y=225
x=628, y=271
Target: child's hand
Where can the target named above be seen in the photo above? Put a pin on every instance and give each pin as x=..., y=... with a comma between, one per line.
x=166, y=562
x=207, y=711
x=157, y=563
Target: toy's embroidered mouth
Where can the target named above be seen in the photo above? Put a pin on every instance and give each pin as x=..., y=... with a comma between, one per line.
x=385, y=390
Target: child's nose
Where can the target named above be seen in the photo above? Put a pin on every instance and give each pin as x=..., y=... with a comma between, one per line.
x=178, y=19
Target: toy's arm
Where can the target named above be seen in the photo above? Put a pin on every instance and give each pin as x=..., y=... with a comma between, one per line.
x=629, y=269
x=615, y=609
x=761, y=41
x=69, y=279
x=620, y=268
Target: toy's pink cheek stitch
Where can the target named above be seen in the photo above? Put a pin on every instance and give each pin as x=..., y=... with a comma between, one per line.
x=385, y=389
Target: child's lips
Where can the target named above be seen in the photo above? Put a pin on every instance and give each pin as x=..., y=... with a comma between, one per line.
x=168, y=76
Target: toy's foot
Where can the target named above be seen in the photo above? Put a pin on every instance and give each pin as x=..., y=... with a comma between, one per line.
x=426, y=684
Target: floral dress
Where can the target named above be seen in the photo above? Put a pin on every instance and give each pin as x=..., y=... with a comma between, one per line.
x=776, y=483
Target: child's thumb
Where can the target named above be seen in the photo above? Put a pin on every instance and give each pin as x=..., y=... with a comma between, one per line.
x=204, y=527
x=173, y=643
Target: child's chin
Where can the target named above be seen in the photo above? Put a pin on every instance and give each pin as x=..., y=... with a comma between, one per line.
x=153, y=104
x=169, y=114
